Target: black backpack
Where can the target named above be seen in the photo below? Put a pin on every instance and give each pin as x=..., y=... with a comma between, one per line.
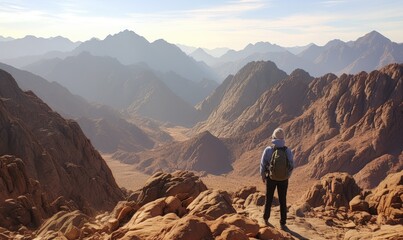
x=278, y=167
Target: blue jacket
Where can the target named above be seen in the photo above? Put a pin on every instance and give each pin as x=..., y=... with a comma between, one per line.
x=266, y=156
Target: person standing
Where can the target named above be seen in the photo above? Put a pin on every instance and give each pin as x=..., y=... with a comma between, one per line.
x=276, y=166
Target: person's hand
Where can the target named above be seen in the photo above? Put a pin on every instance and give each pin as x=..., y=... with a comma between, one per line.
x=264, y=179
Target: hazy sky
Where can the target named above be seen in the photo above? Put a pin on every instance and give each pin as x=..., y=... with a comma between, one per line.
x=205, y=23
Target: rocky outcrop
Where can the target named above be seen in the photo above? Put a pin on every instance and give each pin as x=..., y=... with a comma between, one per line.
x=54, y=151
x=328, y=198
x=209, y=216
x=211, y=204
x=22, y=200
x=334, y=189
x=386, y=199
x=181, y=184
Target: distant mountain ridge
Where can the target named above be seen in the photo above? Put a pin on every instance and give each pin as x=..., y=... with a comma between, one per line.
x=130, y=48
x=369, y=52
x=31, y=45
x=133, y=89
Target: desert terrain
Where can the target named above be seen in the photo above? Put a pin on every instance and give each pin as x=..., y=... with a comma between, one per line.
x=123, y=138
x=128, y=177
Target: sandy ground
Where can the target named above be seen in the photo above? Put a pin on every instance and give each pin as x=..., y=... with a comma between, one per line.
x=125, y=175
x=177, y=133
x=232, y=183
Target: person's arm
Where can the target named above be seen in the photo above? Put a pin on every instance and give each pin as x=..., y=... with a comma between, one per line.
x=290, y=158
x=263, y=164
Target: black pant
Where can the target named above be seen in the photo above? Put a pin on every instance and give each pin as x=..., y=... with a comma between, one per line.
x=282, y=194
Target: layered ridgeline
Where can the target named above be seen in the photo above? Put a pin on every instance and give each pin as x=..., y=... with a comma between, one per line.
x=352, y=123
x=107, y=129
x=371, y=51
x=130, y=48
x=134, y=89
x=31, y=46
x=47, y=163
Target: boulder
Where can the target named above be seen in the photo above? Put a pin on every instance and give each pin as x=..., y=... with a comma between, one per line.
x=386, y=199
x=182, y=184
x=211, y=204
x=188, y=228
x=247, y=225
x=233, y=233
x=334, y=189
x=258, y=199
x=269, y=233
x=65, y=222
x=148, y=229
x=359, y=204
x=155, y=208
x=244, y=192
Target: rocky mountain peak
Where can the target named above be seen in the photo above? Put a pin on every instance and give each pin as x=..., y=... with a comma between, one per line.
x=126, y=36
x=54, y=150
x=373, y=38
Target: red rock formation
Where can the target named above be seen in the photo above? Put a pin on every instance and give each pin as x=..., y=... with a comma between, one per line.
x=334, y=189
x=55, y=151
x=22, y=201
x=211, y=204
x=162, y=218
x=387, y=199
x=182, y=184
x=332, y=124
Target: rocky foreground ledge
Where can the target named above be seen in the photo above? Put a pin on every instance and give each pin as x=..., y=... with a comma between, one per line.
x=179, y=206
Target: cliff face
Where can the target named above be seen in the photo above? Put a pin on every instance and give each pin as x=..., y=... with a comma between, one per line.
x=236, y=94
x=54, y=151
x=357, y=119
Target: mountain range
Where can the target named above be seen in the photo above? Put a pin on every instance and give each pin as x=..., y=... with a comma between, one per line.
x=106, y=127
x=31, y=45
x=350, y=123
x=369, y=52
x=130, y=48
x=134, y=89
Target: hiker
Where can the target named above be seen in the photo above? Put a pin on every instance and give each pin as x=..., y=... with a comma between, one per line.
x=276, y=166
